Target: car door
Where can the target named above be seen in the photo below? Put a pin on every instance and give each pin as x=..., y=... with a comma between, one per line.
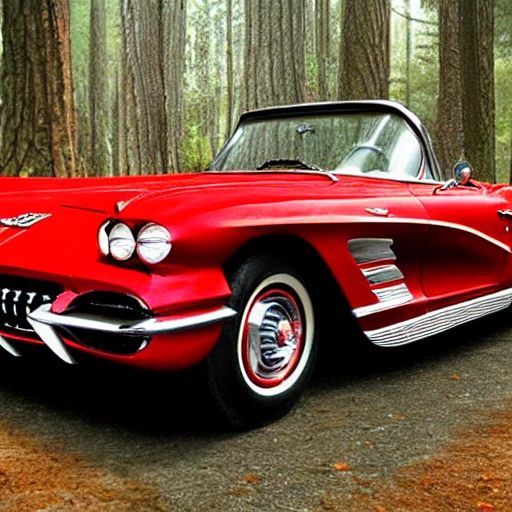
x=468, y=244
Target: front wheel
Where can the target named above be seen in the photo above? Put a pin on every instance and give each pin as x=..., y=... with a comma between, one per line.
x=264, y=357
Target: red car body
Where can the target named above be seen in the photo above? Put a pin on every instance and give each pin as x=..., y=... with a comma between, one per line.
x=403, y=256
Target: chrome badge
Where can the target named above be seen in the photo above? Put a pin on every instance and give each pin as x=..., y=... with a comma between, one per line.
x=25, y=220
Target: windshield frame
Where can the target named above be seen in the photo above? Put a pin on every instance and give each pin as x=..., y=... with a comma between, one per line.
x=339, y=108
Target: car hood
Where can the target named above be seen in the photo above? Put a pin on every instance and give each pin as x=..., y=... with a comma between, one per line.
x=92, y=194
x=134, y=195
x=72, y=210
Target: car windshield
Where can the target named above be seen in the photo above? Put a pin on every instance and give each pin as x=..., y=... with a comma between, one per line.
x=376, y=144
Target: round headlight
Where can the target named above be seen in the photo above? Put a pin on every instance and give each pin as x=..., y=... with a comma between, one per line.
x=153, y=243
x=121, y=242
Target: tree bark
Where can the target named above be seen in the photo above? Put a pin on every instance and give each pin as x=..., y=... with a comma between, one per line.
x=449, y=134
x=174, y=39
x=364, y=50
x=229, y=68
x=98, y=153
x=38, y=118
x=153, y=47
x=322, y=39
x=478, y=107
x=274, y=53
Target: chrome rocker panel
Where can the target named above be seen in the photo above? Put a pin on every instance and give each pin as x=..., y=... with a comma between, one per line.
x=435, y=322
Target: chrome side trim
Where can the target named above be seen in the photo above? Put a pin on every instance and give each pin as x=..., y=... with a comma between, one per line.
x=389, y=298
x=366, y=250
x=346, y=219
x=384, y=274
x=441, y=320
x=379, y=306
x=400, y=292
x=8, y=347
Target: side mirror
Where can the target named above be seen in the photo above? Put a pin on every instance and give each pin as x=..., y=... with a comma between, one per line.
x=462, y=172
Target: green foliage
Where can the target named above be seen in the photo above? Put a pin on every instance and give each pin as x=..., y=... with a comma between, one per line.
x=503, y=28
x=80, y=17
x=195, y=150
x=503, y=71
x=423, y=67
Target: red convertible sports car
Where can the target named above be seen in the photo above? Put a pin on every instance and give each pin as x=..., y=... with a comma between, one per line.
x=313, y=220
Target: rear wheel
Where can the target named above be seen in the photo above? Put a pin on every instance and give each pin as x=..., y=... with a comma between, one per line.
x=264, y=358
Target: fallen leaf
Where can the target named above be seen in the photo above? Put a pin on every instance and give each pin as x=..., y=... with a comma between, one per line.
x=251, y=479
x=341, y=466
x=454, y=376
x=327, y=504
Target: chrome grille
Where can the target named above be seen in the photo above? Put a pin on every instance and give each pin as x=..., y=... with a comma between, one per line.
x=20, y=296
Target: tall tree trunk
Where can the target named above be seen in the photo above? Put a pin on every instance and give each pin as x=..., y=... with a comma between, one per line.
x=449, y=134
x=147, y=121
x=477, y=50
x=98, y=160
x=174, y=40
x=217, y=104
x=118, y=120
x=38, y=119
x=322, y=39
x=229, y=67
x=274, y=53
x=364, y=50
x=153, y=43
x=408, y=52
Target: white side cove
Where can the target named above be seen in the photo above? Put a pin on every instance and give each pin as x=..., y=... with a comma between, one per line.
x=441, y=320
x=385, y=279
x=387, y=283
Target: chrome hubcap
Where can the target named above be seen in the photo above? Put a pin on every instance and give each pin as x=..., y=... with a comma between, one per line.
x=273, y=338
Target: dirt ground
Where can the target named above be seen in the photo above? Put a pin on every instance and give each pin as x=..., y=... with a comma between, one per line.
x=427, y=428
x=474, y=472
x=33, y=477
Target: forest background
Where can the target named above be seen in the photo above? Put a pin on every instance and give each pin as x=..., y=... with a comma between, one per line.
x=126, y=87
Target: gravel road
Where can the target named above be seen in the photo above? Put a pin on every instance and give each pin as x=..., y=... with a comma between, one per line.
x=377, y=413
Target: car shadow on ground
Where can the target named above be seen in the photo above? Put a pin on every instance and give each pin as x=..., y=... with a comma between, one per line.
x=348, y=362
x=172, y=404
x=150, y=402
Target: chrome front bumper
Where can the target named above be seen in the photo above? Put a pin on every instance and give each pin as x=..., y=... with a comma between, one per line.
x=43, y=321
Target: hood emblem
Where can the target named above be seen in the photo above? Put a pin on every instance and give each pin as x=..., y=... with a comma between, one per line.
x=121, y=205
x=25, y=220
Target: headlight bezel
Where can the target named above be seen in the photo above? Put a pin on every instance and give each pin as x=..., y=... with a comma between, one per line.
x=153, y=237
x=103, y=241
x=148, y=242
x=120, y=235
